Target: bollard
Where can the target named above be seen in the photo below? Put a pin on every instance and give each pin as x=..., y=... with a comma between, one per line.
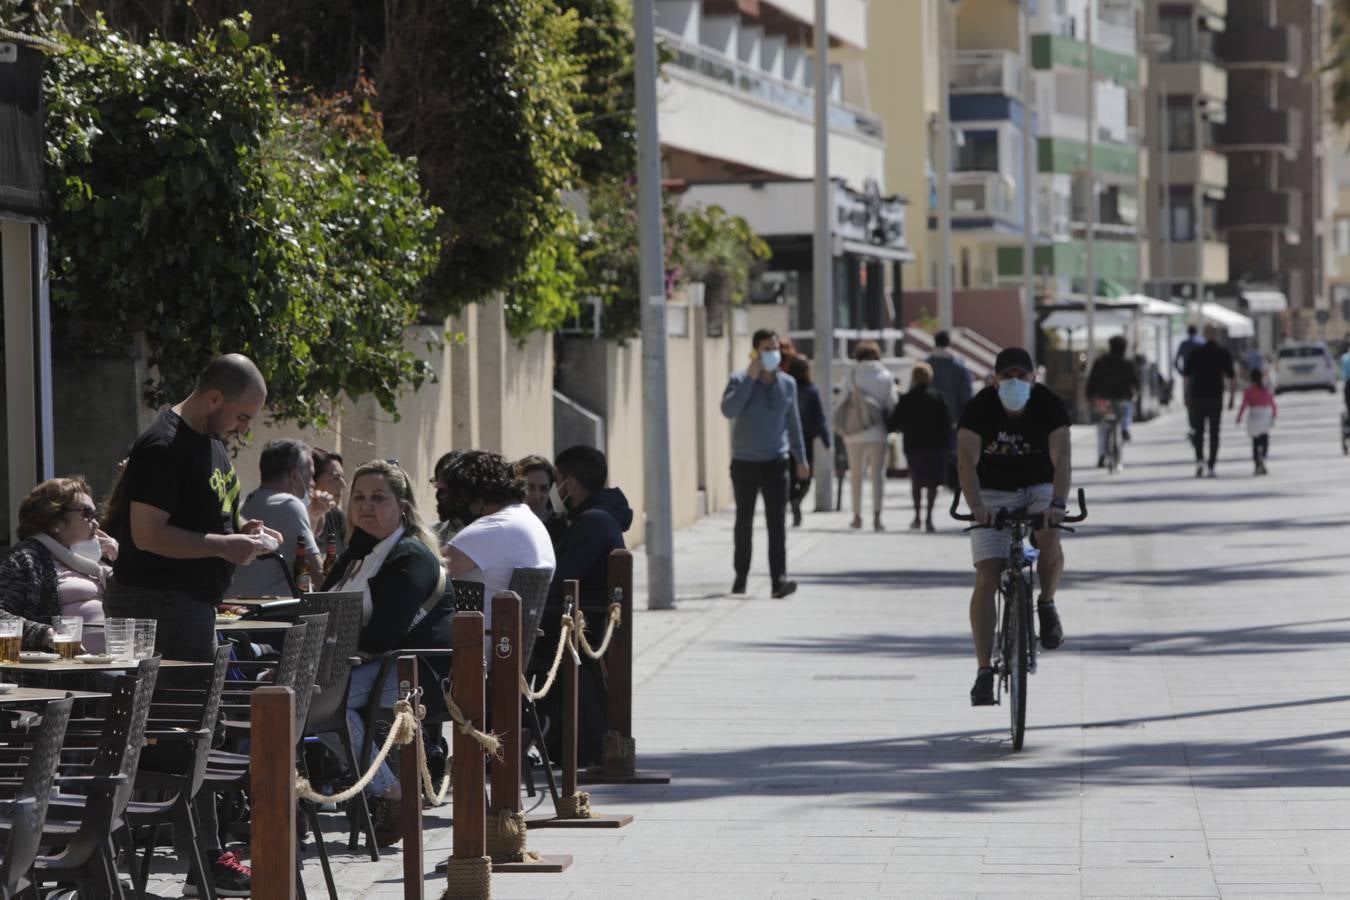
x=272, y=787
x=469, y=869
x=570, y=679
x=507, y=668
x=410, y=779
x=620, y=754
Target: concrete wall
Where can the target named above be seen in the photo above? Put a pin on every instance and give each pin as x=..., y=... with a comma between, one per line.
x=996, y=314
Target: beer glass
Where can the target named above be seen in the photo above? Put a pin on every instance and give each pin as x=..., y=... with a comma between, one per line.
x=118, y=636
x=67, y=632
x=143, y=638
x=11, y=638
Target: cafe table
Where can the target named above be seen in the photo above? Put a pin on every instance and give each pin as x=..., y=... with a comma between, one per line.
x=251, y=601
x=252, y=625
x=42, y=695
x=68, y=666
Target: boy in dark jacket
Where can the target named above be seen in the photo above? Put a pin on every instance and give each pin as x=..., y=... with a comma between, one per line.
x=598, y=516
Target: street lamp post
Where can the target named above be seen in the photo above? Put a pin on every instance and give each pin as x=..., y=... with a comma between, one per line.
x=822, y=254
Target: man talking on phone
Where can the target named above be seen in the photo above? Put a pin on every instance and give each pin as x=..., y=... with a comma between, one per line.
x=766, y=438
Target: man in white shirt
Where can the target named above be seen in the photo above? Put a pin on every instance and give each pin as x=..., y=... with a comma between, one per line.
x=286, y=468
x=501, y=534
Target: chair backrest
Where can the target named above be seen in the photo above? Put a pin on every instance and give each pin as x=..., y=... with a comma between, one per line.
x=28, y=812
x=468, y=596
x=532, y=587
x=316, y=627
x=341, y=637
x=119, y=752
x=289, y=661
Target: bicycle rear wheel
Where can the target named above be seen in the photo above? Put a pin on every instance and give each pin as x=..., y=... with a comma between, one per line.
x=1017, y=657
x=1113, y=448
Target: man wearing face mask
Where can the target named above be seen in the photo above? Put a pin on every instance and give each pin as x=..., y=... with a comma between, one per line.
x=766, y=435
x=286, y=468
x=1013, y=453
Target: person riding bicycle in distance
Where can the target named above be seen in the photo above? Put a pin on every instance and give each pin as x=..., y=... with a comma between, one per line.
x=1013, y=453
x=1112, y=386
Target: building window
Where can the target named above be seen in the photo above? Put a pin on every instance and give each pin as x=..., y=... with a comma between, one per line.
x=978, y=152
x=1183, y=218
x=1343, y=237
x=1178, y=23
x=1180, y=124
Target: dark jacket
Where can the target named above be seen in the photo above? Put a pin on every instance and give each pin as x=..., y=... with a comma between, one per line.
x=397, y=592
x=812, y=412
x=598, y=525
x=921, y=416
x=28, y=589
x=1113, y=377
x=951, y=381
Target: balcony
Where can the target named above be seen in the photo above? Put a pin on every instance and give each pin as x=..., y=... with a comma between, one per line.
x=1280, y=47
x=1196, y=78
x=1262, y=210
x=987, y=72
x=1191, y=261
x=984, y=196
x=1250, y=128
x=1188, y=167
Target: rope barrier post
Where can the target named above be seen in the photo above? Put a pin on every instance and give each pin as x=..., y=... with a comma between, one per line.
x=410, y=779
x=469, y=869
x=619, y=756
x=506, y=829
x=573, y=809
x=272, y=787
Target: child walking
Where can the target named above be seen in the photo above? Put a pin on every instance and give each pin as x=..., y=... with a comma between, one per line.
x=1261, y=402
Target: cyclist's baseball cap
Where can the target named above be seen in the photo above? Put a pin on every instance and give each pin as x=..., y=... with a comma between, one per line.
x=1014, y=358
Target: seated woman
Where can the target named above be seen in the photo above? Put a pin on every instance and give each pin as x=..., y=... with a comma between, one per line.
x=391, y=558
x=55, y=568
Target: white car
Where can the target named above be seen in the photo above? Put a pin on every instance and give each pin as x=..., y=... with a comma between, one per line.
x=1305, y=364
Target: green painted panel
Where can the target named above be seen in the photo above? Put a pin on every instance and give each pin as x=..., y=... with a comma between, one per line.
x=1067, y=157
x=1112, y=260
x=1049, y=51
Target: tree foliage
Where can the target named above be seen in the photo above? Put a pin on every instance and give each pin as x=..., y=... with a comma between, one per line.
x=197, y=207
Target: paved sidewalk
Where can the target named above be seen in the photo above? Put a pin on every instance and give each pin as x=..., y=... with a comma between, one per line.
x=1190, y=739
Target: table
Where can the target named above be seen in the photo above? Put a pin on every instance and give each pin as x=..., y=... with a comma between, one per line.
x=251, y=601
x=253, y=625
x=66, y=666
x=43, y=695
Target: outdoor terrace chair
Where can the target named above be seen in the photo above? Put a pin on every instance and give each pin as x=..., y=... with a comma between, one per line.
x=23, y=817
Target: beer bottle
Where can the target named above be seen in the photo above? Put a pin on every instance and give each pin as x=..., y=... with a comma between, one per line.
x=329, y=557
x=303, y=583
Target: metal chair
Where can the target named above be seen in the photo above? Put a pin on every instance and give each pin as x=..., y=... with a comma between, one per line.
x=22, y=818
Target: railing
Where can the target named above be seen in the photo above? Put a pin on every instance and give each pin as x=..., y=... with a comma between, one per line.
x=1281, y=47
x=1115, y=37
x=755, y=82
x=1257, y=128
x=1052, y=216
x=1262, y=209
x=986, y=71
x=982, y=194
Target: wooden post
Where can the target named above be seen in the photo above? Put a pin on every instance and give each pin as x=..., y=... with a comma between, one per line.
x=410, y=779
x=507, y=668
x=470, y=806
x=619, y=680
x=272, y=786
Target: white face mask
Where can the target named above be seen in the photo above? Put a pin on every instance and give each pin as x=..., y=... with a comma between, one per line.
x=90, y=549
x=556, y=501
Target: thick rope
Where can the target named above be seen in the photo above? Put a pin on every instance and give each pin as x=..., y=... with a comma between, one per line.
x=576, y=806
x=469, y=878
x=32, y=40
x=612, y=625
x=618, y=754
x=506, y=837
x=403, y=731
x=563, y=643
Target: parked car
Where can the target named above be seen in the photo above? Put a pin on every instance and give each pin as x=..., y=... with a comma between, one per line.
x=1304, y=364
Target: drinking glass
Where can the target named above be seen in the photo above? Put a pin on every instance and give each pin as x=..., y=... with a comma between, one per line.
x=67, y=633
x=144, y=638
x=118, y=636
x=11, y=638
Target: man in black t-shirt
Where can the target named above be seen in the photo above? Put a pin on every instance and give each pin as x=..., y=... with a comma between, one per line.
x=1013, y=453
x=1209, y=369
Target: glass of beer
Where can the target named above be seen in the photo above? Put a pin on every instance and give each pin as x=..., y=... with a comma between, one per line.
x=68, y=631
x=11, y=638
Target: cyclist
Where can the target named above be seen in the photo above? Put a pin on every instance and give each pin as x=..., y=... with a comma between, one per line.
x=1013, y=453
x=1112, y=385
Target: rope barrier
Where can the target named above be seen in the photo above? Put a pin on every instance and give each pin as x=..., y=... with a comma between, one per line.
x=468, y=877
x=563, y=642
x=615, y=617
x=506, y=833
x=618, y=754
x=32, y=40
x=403, y=731
x=576, y=806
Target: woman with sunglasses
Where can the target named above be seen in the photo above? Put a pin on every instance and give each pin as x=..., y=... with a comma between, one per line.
x=57, y=568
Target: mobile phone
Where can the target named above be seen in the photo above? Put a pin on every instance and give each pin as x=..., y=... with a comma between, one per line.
x=754, y=355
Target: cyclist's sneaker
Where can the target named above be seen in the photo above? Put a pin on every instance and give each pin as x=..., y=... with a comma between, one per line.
x=982, y=694
x=1052, y=632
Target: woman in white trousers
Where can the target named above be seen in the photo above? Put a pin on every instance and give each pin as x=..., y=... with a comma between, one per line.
x=867, y=448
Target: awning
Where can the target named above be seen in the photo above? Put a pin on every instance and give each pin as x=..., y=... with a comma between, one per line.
x=1235, y=323
x=1265, y=301
x=875, y=251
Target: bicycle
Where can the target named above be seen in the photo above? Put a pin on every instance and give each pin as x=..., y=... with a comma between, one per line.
x=1014, y=650
x=1111, y=418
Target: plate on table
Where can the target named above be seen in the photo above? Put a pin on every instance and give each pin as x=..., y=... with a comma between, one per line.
x=6, y=687
x=37, y=656
x=93, y=659
x=225, y=619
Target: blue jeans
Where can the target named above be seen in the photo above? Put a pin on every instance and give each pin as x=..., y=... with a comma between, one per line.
x=363, y=681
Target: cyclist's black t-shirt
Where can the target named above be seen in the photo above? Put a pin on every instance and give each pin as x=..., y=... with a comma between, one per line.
x=188, y=475
x=1207, y=367
x=1015, y=450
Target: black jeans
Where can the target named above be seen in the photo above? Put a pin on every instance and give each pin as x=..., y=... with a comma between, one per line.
x=1206, y=410
x=748, y=481
x=1261, y=447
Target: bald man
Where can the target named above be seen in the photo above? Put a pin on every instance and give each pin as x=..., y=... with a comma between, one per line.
x=1209, y=371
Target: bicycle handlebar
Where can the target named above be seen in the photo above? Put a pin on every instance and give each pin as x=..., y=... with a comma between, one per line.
x=1005, y=516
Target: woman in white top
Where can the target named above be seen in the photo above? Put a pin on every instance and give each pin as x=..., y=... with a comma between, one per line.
x=867, y=448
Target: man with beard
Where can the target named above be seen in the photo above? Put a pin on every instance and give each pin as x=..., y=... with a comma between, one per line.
x=446, y=504
x=177, y=520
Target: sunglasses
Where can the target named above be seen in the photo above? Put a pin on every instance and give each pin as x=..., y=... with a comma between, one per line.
x=88, y=513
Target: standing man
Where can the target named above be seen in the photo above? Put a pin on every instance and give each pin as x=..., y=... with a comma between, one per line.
x=177, y=521
x=766, y=430
x=1209, y=368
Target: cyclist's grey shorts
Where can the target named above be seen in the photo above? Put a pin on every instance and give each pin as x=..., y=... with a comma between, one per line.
x=986, y=543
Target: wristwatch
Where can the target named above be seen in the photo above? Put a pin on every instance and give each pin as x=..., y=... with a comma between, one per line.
x=1059, y=503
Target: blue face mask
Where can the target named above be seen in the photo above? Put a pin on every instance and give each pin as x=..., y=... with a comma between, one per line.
x=770, y=359
x=1014, y=394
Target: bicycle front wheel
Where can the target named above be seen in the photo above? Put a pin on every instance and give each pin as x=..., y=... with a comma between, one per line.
x=1018, y=657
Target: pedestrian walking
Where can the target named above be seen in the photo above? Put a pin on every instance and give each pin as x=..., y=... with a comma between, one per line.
x=951, y=380
x=1209, y=369
x=815, y=426
x=766, y=432
x=868, y=398
x=1259, y=403
x=921, y=418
